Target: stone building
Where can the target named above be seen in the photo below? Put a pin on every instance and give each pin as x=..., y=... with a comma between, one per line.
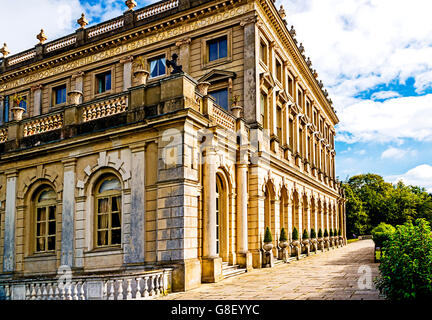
x=151, y=152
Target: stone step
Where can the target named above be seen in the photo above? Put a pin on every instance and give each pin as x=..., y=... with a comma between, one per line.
x=233, y=273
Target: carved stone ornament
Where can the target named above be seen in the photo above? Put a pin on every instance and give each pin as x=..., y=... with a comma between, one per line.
x=292, y=31
x=282, y=12
x=131, y=4
x=5, y=50
x=301, y=48
x=82, y=21
x=42, y=37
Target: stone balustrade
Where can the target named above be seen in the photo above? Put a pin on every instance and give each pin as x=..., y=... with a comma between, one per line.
x=107, y=27
x=165, y=6
x=3, y=135
x=140, y=286
x=42, y=125
x=22, y=57
x=61, y=44
x=223, y=118
x=105, y=108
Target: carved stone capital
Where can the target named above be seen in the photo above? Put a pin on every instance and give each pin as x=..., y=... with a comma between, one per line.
x=183, y=42
x=36, y=87
x=79, y=74
x=126, y=59
x=248, y=20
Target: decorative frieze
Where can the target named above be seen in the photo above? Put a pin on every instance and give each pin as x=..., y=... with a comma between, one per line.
x=43, y=125
x=224, y=119
x=105, y=109
x=3, y=135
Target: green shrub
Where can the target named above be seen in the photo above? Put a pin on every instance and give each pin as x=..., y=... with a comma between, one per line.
x=320, y=234
x=268, y=236
x=331, y=232
x=295, y=234
x=326, y=234
x=406, y=266
x=313, y=234
x=335, y=233
x=340, y=233
x=283, y=235
x=382, y=233
x=305, y=234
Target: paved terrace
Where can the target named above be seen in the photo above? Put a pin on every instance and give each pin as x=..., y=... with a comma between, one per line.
x=332, y=275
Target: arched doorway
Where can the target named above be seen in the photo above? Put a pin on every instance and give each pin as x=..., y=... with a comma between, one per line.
x=222, y=217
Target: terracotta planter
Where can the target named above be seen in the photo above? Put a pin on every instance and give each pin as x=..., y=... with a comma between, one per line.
x=141, y=76
x=203, y=87
x=296, y=243
x=17, y=113
x=75, y=97
x=268, y=246
x=306, y=242
x=283, y=244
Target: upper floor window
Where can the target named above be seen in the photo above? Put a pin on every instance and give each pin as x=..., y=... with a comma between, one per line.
x=108, y=204
x=263, y=52
x=45, y=221
x=279, y=121
x=291, y=133
x=221, y=97
x=217, y=48
x=59, y=95
x=290, y=86
x=157, y=66
x=103, y=82
x=263, y=102
x=279, y=70
x=300, y=98
x=6, y=108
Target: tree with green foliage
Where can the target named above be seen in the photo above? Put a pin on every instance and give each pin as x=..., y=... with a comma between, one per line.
x=295, y=234
x=320, y=233
x=305, y=234
x=406, y=267
x=313, y=233
x=326, y=234
x=283, y=236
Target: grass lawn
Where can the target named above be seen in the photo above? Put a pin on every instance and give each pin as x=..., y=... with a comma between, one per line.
x=352, y=240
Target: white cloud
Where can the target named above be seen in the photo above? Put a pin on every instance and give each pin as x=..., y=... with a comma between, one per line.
x=384, y=95
x=418, y=176
x=396, y=153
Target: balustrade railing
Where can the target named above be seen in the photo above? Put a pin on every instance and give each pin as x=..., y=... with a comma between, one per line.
x=61, y=44
x=147, y=285
x=42, y=125
x=223, y=118
x=3, y=135
x=165, y=6
x=105, y=108
x=107, y=27
x=22, y=57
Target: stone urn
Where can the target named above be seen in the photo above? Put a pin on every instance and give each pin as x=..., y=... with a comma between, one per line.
x=75, y=97
x=341, y=242
x=203, y=87
x=17, y=113
x=283, y=244
x=268, y=246
x=237, y=110
x=321, y=243
x=315, y=244
x=141, y=76
x=327, y=242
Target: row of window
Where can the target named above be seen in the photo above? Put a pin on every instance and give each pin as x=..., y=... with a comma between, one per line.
x=107, y=223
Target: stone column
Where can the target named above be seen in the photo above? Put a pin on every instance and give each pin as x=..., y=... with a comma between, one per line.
x=135, y=250
x=297, y=130
x=127, y=72
x=212, y=263
x=9, y=227
x=251, y=76
x=79, y=83
x=244, y=257
x=184, y=53
x=37, y=99
x=68, y=213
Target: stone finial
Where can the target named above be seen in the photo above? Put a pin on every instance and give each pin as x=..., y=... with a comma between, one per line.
x=326, y=93
x=321, y=84
x=131, y=4
x=42, y=37
x=309, y=62
x=82, y=21
x=4, y=51
x=282, y=12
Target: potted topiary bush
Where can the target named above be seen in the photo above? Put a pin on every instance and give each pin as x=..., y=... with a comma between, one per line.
x=283, y=239
x=326, y=239
x=295, y=237
x=268, y=240
x=314, y=240
x=320, y=239
x=326, y=234
x=340, y=237
x=305, y=237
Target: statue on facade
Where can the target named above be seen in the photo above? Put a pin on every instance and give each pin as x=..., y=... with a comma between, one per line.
x=173, y=64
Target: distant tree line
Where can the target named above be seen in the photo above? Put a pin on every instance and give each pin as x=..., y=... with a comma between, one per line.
x=371, y=201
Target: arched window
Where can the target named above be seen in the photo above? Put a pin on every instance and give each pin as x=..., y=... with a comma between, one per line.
x=108, y=212
x=45, y=219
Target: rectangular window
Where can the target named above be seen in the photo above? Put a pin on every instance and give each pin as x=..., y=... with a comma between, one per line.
x=264, y=110
x=263, y=52
x=308, y=109
x=6, y=109
x=221, y=97
x=279, y=122
x=300, y=98
x=157, y=66
x=290, y=86
x=301, y=142
x=59, y=94
x=217, y=48
x=103, y=82
x=291, y=134
x=278, y=70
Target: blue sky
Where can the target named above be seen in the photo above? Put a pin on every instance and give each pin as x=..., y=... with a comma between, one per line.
x=374, y=57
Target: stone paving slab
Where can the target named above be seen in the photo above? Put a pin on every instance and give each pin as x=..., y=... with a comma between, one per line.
x=332, y=275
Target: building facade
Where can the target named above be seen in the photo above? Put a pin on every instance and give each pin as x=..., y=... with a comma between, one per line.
x=150, y=152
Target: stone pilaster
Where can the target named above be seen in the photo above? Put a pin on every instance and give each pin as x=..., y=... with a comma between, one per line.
x=10, y=217
x=78, y=78
x=184, y=54
x=135, y=249
x=244, y=257
x=211, y=263
x=37, y=100
x=68, y=213
x=127, y=72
